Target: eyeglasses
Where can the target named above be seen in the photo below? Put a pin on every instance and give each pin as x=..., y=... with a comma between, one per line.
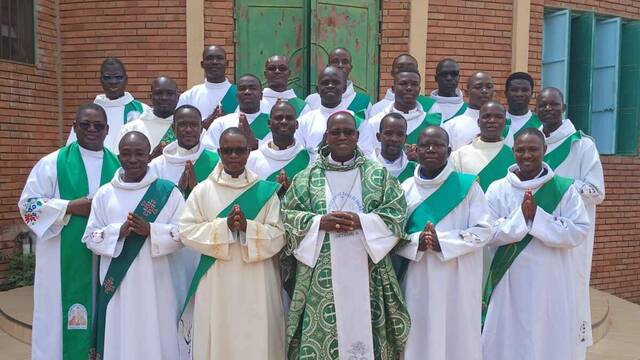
x=107, y=78
x=87, y=125
x=282, y=68
x=449, y=73
x=345, y=132
x=237, y=151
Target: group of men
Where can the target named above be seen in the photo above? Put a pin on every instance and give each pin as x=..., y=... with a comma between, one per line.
x=234, y=221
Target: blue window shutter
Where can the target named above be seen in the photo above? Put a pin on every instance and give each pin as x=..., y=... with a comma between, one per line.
x=604, y=105
x=629, y=90
x=581, y=71
x=555, y=50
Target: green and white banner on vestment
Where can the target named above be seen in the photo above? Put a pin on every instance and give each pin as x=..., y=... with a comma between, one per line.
x=251, y=202
x=427, y=103
x=205, y=164
x=436, y=207
x=533, y=122
x=559, y=154
x=229, y=101
x=460, y=111
x=297, y=164
x=547, y=197
x=76, y=261
x=153, y=200
x=359, y=103
x=168, y=137
x=429, y=120
x=497, y=168
x=133, y=105
x=408, y=171
x=260, y=126
x=298, y=104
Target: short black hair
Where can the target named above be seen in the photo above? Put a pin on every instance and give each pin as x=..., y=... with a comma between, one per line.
x=395, y=60
x=441, y=63
x=518, y=76
x=407, y=71
x=391, y=115
x=91, y=106
x=187, y=107
x=138, y=134
x=112, y=61
x=234, y=130
x=251, y=76
x=529, y=131
x=342, y=112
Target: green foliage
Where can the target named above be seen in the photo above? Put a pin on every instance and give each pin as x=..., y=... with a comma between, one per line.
x=21, y=270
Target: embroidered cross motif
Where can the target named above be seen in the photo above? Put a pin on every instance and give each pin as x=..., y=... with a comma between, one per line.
x=358, y=351
x=109, y=285
x=149, y=207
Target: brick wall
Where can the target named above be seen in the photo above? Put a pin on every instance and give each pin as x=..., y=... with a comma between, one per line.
x=475, y=33
x=616, y=257
x=28, y=122
x=395, y=38
x=218, y=30
x=148, y=36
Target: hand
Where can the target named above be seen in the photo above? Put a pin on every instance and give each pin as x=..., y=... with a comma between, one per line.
x=139, y=225
x=353, y=218
x=283, y=180
x=529, y=206
x=243, y=125
x=337, y=222
x=125, y=230
x=80, y=207
x=188, y=179
x=236, y=221
x=412, y=151
x=429, y=239
x=217, y=112
x=157, y=151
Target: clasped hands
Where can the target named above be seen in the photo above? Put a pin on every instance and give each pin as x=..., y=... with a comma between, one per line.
x=236, y=221
x=340, y=222
x=529, y=206
x=428, y=239
x=134, y=224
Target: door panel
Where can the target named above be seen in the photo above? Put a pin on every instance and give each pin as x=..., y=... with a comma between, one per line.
x=269, y=28
x=354, y=25
x=555, y=50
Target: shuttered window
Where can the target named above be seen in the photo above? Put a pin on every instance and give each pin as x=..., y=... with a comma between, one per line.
x=17, y=31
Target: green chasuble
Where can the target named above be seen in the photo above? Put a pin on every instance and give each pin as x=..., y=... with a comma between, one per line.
x=149, y=207
x=311, y=326
x=497, y=168
x=229, y=102
x=76, y=260
x=533, y=122
x=133, y=105
x=547, y=197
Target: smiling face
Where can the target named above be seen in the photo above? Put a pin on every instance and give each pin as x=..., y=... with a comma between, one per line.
x=341, y=136
x=550, y=107
x=249, y=94
x=282, y=121
x=134, y=156
x=491, y=121
x=480, y=89
x=331, y=85
x=164, y=96
x=214, y=63
x=113, y=79
x=187, y=125
x=341, y=58
x=529, y=151
x=433, y=148
x=406, y=86
x=277, y=71
x=392, y=136
x=91, y=129
x=234, y=152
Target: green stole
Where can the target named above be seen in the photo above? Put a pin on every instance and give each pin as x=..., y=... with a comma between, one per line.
x=359, y=103
x=76, y=260
x=133, y=105
x=559, y=154
x=260, y=126
x=547, y=197
x=229, y=102
x=168, y=137
x=297, y=164
x=408, y=171
x=434, y=208
x=149, y=207
x=251, y=201
x=429, y=120
x=496, y=168
x=426, y=102
x=204, y=164
x=461, y=111
x=533, y=122
x=298, y=104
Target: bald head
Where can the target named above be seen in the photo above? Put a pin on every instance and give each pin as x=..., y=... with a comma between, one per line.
x=433, y=150
x=491, y=121
x=135, y=138
x=435, y=132
x=332, y=83
x=214, y=63
x=480, y=89
x=164, y=96
x=341, y=116
x=341, y=58
x=134, y=149
x=277, y=72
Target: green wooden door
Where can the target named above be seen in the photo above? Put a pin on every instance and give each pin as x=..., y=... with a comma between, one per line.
x=305, y=31
x=265, y=28
x=629, y=91
x=354, y=25
x=581, y=70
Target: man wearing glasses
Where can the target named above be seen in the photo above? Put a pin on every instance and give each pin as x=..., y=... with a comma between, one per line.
x=156, y=123
x=55, y=205
x=449, y=97
x=119, y=104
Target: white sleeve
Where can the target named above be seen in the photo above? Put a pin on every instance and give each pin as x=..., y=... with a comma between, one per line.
x=590, y=185
x=164, y=237
x=100, y=236
x=308, y=249
x=566, y=230
x=410, y=250
x=509, y=226
x=378, y=240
